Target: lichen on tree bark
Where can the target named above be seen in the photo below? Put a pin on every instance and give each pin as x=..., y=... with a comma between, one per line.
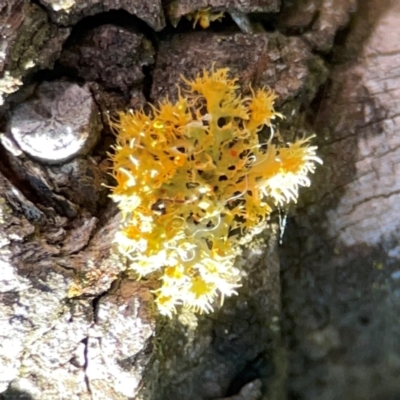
x=103, y=338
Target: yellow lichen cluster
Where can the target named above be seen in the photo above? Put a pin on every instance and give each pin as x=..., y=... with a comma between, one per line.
x=204, y=17
x=193, y=180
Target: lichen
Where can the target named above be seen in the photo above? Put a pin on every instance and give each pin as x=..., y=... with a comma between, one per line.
x=204, y=17
x=194, y=182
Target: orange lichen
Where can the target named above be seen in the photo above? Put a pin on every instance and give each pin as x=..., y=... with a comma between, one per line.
x=193, y=180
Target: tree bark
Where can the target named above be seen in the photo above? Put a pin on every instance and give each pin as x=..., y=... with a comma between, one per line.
x=316, y=318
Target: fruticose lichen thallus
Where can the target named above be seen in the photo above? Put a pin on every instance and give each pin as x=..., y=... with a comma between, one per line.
x=194, y=183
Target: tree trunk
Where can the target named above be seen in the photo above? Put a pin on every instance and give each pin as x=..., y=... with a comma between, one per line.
x=315, y=317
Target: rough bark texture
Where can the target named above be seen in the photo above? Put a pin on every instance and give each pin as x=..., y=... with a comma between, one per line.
x=266, y=59
x=68, y=12
x=317, y=22
x=319, y=320
x=28, y=42
x=110, y=55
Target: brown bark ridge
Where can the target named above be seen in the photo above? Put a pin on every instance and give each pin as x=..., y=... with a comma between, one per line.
x=68, y=12
x=314, y=319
